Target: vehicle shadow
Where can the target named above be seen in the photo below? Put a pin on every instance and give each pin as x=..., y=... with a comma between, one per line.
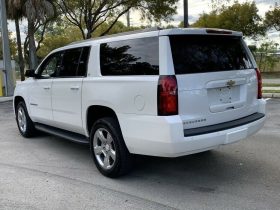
x=216, y=164
x=224, y=171
x=203, y=172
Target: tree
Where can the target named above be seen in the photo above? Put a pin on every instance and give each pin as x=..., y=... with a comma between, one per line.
x=238, y=17
x=219, y=4
x=57, y=35
x=265, y=56
x=60, y=37
x=89, y=15
x=272, y=19
x=13, y=47
x=118, y=27
x=37, y=12
x=15, y=12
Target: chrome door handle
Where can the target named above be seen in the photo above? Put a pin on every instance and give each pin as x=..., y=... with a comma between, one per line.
x=46, y=88
x=75, y=88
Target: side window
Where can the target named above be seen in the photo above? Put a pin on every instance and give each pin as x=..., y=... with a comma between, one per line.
x=74, y=62
x=50, y=66
x=130, y=57
x=70, y=62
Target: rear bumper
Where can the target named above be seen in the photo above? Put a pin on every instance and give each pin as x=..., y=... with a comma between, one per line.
x=165, y=136
x=208, y=141
x=223, y=126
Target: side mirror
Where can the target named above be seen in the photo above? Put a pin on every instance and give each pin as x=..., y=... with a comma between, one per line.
x=30, y=73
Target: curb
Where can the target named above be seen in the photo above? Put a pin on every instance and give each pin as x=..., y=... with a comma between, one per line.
x=5, y=99
x=271, y=95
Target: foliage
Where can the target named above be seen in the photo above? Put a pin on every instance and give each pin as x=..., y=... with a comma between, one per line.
x=272, y=19
x=13, y=47
x=15, y=12
x=89, y=15
x=46, y=21
x=265, y=56
x=37, y=12
x=118, y=27
x=238, y=17
x=14, y=9
x=219, y=4
x=58, y=39
x=59, y=34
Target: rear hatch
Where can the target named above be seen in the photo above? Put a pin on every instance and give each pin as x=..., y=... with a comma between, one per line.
x=216, y=79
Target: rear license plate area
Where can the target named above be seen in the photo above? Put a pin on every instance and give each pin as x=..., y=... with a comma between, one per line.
x=224, y=95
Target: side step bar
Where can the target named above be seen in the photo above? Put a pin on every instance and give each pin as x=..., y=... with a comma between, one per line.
x=74, y=137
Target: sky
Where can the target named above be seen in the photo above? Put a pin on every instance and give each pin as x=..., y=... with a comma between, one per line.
x=196, y=7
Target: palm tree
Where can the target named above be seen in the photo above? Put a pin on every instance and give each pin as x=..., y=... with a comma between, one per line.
x=36, y=12
x=15, y=12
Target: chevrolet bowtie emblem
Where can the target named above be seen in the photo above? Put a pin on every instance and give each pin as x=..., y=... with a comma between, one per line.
x=230, y=83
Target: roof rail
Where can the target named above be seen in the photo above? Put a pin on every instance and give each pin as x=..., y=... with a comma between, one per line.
x=120, y=34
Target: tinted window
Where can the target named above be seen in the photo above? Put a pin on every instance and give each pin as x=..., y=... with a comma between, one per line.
x=74, y=62
x=197, y=54
x=130, y=57
x=50, y=66
x=70, y=62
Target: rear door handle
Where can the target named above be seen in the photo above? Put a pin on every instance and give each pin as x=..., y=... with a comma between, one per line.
x=75, y=88
x=47, y=88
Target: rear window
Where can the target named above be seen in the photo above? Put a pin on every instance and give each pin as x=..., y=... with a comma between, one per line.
x=130, y=57
x=208, y=53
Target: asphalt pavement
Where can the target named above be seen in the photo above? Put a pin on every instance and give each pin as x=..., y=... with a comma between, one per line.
x=48, y=172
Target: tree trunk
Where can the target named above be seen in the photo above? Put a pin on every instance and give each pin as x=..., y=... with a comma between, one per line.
x=19, y=48
x=33, y=60
x=88, y=35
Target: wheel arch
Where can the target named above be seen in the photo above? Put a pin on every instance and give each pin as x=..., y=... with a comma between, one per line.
x=96, y=112
x=16, y=101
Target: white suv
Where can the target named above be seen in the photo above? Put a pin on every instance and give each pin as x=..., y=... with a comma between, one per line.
x=163, y=93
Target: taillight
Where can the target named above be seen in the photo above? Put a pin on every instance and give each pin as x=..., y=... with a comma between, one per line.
x=259, y=78
x=167, y=96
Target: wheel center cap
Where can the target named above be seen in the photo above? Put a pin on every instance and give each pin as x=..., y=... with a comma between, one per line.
x=107, y=147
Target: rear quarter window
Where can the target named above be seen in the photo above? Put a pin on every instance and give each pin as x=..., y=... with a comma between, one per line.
x=130, y=57
x=208, y=53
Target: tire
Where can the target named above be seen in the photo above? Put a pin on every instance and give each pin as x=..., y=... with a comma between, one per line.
x=108, y=149
x=24, y=123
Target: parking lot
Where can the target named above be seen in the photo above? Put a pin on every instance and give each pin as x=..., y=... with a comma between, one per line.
x=48, y=172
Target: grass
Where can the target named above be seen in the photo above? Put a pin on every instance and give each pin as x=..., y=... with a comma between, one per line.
x=270, y=75
x=271, y=91
x=271, y=85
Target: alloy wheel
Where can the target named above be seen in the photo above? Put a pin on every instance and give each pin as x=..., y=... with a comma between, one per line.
x=21, y=119
x=104, y=148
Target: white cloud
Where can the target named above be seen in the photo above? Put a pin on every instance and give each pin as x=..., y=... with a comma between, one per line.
x=198, y=7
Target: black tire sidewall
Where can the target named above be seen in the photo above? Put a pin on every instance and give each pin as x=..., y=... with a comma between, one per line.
x=29, y=124
x=111, y=125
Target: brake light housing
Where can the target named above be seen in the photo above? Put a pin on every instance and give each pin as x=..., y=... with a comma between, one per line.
x=259, y=78
x=167, y=95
